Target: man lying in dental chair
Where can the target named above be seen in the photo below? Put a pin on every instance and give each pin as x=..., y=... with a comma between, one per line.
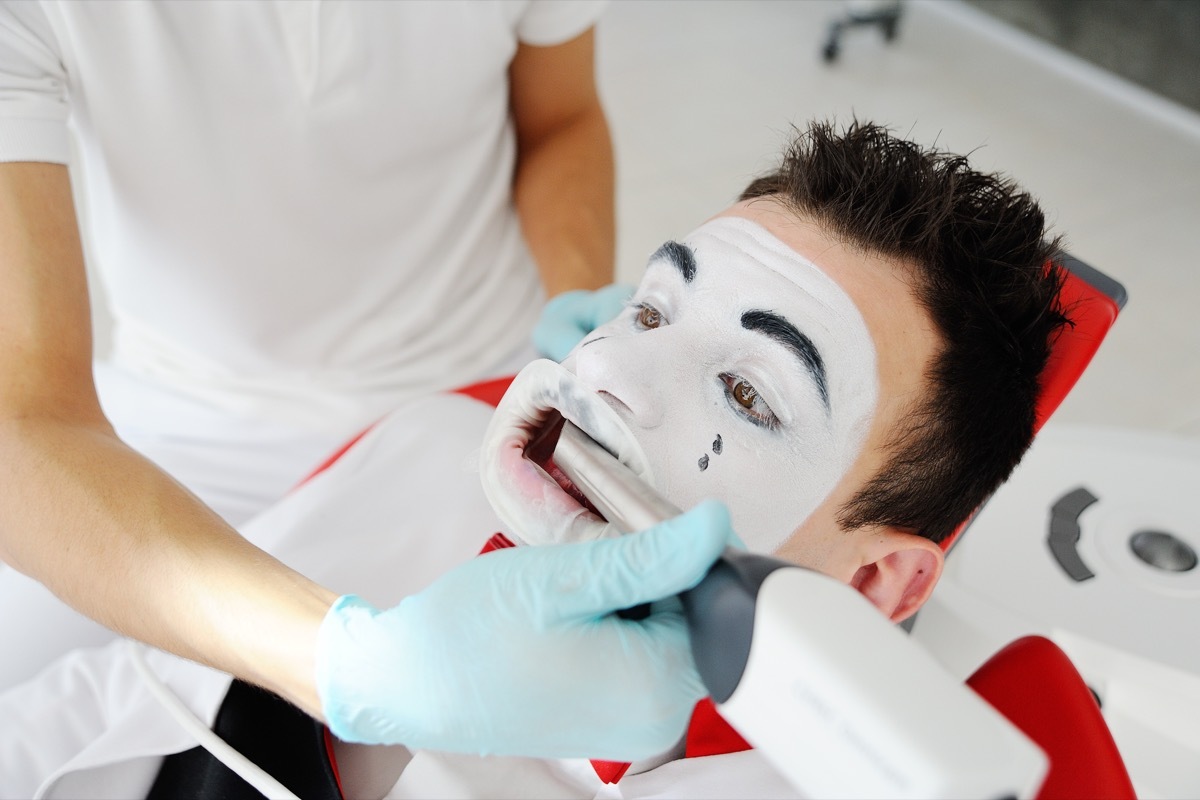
x=847, y=358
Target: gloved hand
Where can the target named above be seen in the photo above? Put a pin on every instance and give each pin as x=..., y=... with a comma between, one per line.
x=570, y=316
x=517, y=652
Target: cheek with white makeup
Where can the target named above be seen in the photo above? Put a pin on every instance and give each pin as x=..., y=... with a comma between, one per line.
x=696, y=443
x=718, y=446
x=672, y=385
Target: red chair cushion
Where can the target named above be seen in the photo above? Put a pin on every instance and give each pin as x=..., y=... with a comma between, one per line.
x=1092, y=312
x=1035, y=685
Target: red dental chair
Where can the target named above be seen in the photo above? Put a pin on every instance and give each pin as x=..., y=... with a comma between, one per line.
x=1092, y=301
x=1031, y=681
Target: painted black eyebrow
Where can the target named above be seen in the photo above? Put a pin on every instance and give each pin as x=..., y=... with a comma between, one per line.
x=681, y=256
x=787, y=334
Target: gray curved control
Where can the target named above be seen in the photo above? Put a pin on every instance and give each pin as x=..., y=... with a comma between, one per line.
x=1064, y=533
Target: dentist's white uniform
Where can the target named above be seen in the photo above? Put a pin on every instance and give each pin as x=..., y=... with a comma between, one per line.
x=302, y=215
x=400, y=507
x=302, y=211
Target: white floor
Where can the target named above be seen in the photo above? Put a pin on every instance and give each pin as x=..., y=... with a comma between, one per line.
x=701, y=95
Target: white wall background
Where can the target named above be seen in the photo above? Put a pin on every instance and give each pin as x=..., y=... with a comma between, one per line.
x=701, y=94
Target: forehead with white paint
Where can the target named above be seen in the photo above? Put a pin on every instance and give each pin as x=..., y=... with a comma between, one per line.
x=743, y=371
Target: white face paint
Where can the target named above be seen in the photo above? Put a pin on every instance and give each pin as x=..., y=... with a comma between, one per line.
x=753, y=382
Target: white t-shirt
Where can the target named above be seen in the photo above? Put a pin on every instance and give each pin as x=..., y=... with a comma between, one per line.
x=300, y=210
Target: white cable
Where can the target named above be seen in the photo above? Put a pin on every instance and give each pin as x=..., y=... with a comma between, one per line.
x=253, y=774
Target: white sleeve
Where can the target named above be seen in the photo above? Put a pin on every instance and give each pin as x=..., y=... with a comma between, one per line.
x=33, y=87
x=551, y=22
x=48, y=720
x=90, y=711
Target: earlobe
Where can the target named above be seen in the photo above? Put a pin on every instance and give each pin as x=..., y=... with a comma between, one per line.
x=900, y=573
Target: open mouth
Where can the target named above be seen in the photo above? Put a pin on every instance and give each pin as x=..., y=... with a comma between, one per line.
x=530, y=492
x=540, y=451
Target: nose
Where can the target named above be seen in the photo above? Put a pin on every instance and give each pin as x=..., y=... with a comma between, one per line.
x=622, y=370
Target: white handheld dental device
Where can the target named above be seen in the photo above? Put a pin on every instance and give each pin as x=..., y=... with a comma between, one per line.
x=833, y=694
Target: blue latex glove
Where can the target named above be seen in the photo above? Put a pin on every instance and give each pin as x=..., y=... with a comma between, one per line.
x=517, y=652
x=570, y=316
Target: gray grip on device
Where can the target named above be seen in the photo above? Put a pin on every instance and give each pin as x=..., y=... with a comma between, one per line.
x=720, y=609
x=720, y=615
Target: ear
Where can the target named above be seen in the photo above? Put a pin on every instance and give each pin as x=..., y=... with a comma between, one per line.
x=899, y=572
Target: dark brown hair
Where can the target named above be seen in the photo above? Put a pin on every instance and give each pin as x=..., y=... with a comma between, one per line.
x=980, y=257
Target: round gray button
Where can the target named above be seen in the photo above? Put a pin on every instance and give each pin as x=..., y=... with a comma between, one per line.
x=1162, y=550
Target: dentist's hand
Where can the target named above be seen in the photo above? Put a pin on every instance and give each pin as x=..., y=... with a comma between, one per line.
x=517, y=652
x=570, y=316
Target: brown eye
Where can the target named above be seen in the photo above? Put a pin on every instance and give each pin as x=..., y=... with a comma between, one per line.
x=649, y=317
x=745, y=394
x=749, y=403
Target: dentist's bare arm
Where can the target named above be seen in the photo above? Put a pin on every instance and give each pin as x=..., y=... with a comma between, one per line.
x=101, y=526
x=563, y=186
